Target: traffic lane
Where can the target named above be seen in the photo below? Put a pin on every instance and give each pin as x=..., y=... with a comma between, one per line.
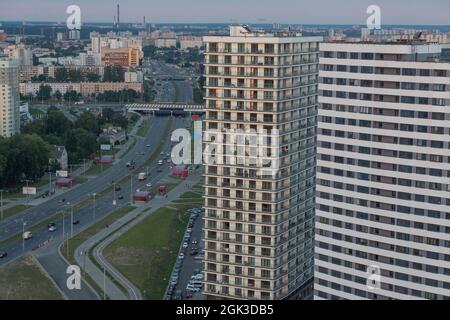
x=41, y=212
x=85, y=215
x=53, y=264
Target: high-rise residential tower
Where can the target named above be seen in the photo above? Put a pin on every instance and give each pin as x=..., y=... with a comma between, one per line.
x=258, y=228
x=9, y=97
x=383, y=172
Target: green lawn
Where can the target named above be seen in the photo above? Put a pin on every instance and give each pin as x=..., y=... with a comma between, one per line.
x=81, y=237
x=77, y=240
x=96, y=169
x=129, y=148
x=14, y=210
x=143, y=130
x=23, y=279
x=145, y=254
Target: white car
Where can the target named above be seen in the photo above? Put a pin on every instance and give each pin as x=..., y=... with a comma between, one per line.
x=185, y=245
x=181, y=256
x=149, y=185
x=52, y=229
x=190, y=287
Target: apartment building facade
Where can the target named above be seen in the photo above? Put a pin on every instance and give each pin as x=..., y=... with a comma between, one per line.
x=258, y=226
x=9, y=97
x=125, y=57
x=383, y=172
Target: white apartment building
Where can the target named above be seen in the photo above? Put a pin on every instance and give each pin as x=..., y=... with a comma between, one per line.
x=115, y=41
x=9, y=97
x=20, y=52
x=188, y=42
x=258, y=228
x=383, y=172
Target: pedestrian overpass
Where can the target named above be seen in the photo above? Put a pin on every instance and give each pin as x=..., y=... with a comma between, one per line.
x=166, y=108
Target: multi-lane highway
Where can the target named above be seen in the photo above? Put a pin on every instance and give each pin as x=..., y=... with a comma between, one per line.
x=104, y=204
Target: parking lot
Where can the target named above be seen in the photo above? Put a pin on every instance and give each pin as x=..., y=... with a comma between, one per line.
x=187, y=270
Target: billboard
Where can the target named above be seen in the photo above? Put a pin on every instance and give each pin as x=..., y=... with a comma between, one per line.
x=105, y=147
x=29, y=190
x=62, y=174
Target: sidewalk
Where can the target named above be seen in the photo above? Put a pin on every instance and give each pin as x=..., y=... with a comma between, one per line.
x=116, y=230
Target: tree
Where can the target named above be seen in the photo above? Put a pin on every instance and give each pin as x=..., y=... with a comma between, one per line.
x=92, y=77
x=44, y=92
x=114, y=74
x=72, y=96
x=56, y=122
x=88, y=122
x=61, y=75
x=27, y=156
x=58, y=95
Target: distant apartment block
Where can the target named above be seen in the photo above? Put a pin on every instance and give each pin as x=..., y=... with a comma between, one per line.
x=190, y=42
x=165, y=42
x=125, y=57
x=9, y=97
x=383, y=172
x=258, y=228
x=21, y=53
x=85, y=88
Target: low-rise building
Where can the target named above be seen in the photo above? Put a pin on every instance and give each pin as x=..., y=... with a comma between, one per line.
x=115, y=135
x=125, y=57
x=85, y=88
x=187, y=42
x=59, y=154
x=165, y=42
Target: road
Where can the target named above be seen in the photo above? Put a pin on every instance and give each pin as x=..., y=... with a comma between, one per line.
x=104, y=204
x=115, y=231
x=166, y=89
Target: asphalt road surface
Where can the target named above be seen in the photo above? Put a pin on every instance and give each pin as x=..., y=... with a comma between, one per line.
x=104, y=204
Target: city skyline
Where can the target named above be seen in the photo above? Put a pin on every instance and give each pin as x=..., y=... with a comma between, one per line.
x=401, y=12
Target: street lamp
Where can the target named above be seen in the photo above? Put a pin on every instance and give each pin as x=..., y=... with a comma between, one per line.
x=114, y=186
x=93, y=207
x=1, y=203
x=23, y=232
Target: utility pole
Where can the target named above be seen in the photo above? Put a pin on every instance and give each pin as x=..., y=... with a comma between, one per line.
x=104, y=283
x=84, y=167
x=114, y=200
x=50, y=183
x=1, y=204
x=71, y=222
x=28, y=193
x=23, y=238
x=93, y=207
x=131, y=191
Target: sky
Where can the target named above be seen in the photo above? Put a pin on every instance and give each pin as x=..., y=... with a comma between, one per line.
x=434, y=12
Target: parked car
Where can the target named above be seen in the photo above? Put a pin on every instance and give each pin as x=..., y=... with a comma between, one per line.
x=3, y=255
x=178, y=295
x=76, y=221
x=52, y=229
x=185, y=245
